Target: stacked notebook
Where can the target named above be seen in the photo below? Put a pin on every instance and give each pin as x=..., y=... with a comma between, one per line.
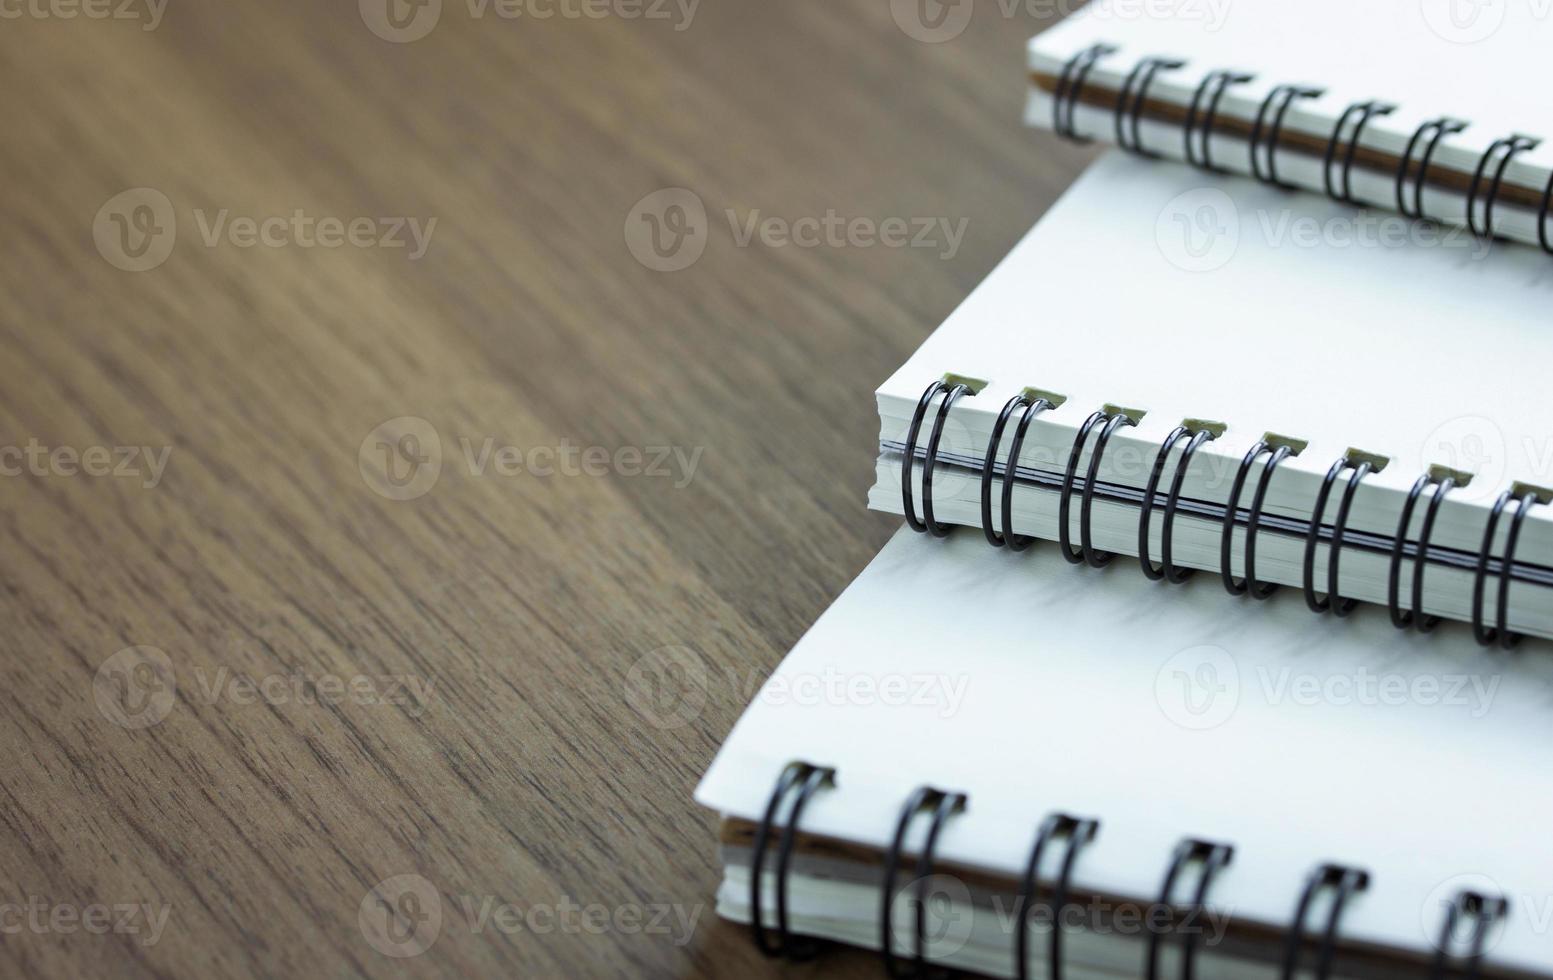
x=1308, y=438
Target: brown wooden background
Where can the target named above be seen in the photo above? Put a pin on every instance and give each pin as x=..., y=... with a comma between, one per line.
x=551, y=615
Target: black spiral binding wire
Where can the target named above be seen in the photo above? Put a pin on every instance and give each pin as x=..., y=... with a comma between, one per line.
x=1070, y=85
x=943, y=805
x=807, y=780
x=1510, y=146
x=1500, y=634
x=1167, y=569
x=1437, y=129
x=1484, y=911
x=1333, y=600
x=1134, y=97
x=954, y=393
x=1345, y=883
x=1415, y=617
x=1032, y=407
x=1283, y=96
x=1365, y=111
x=1132, y=101
x=1110, y=422
x=1078, y=833
x=800, y=781
x=1206, y=105
x=1542, y=218
x=1249, y=584
x=1086, y=553
x=1211, y=858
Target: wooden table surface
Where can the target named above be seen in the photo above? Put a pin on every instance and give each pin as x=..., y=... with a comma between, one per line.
x=377, y=590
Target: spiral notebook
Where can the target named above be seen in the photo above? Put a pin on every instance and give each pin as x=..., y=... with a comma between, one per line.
x=1335, y=791
x=1311, y=446
x=1432, y=107
x=1360, y=422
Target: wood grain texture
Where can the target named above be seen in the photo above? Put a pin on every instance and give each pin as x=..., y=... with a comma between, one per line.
x=550, y=757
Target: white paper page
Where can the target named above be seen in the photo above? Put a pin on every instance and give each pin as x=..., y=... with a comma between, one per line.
x=1483, y=62
x=1036, y=689
x=1151, y=286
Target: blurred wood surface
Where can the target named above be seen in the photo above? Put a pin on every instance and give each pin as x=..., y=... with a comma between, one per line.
x=581, y=635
